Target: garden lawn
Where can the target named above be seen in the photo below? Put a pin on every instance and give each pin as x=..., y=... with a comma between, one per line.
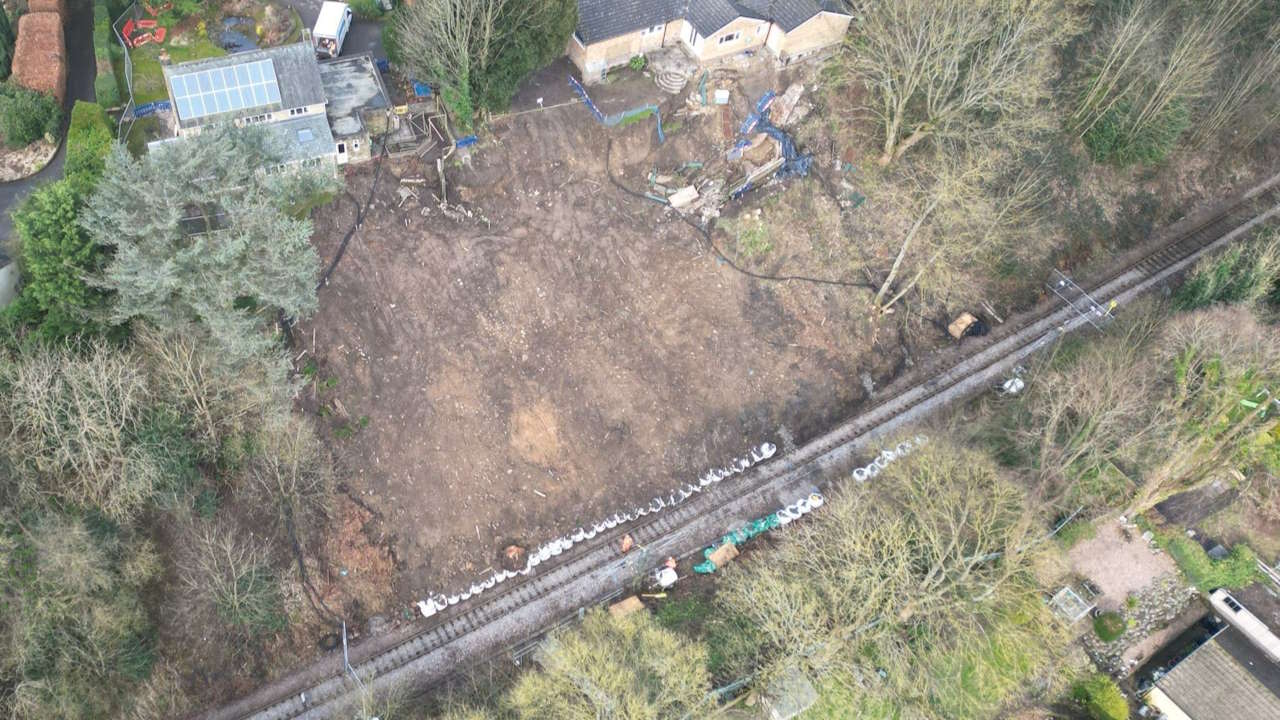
x=148, y=77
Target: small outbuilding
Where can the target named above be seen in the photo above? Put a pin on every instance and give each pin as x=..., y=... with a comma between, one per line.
x=357, y=105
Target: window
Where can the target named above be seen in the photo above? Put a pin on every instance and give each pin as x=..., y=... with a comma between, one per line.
x=1231, y=603
x=355, y=145
x=342, y=148
x=578, y=37
x=653, y=30
x=728, y=38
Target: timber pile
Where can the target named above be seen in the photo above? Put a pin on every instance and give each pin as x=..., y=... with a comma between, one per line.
x=40, y=55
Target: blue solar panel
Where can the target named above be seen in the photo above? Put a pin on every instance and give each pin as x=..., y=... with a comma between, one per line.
x=227, y=89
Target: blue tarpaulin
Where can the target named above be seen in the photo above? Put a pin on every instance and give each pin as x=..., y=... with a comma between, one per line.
x=467, y=141
x=421, y=89
x=795, y=163
x=146, y=109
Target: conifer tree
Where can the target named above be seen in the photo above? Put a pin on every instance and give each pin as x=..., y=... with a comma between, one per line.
x=201, y=237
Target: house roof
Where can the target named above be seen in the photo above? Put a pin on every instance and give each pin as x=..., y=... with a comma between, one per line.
x=353, y=86
x=296, y=70
x=791, y=14
x=300, y=138
x=1227, y=677
x=603, y=19
x=708, y=16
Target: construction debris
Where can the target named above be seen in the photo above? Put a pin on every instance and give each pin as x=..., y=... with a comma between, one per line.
x=623, y=608
x=683, y=197
x=723, y=554
x=513, y=557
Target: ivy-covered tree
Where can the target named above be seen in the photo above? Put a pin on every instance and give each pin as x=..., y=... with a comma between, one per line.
x=200, y=236
x=57, y=258
x=6, y=44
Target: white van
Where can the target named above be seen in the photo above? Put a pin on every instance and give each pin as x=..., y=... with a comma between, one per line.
x=331, y=29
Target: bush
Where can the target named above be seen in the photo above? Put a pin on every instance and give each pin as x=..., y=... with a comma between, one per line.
x=366, y=9
x=1101, y=698
x=1109, y=141
x=89, y=140
x=638, y=62
x=26, y=115
x=1238, y=569
x=1109, y=626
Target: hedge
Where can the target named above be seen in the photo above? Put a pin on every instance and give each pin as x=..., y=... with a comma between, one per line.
x=105, y=87
x=89, y=139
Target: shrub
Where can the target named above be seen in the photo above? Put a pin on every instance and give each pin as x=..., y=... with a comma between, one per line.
x=26, y=115
x=1109, y=140
x=1101, y=698
x=366, y=9
x=638, y=62
x=75, y=631
x=1109, y=626
x=89, y=140
x=1076, y=531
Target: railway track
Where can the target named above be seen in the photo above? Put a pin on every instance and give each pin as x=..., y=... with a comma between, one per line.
x=581, y=576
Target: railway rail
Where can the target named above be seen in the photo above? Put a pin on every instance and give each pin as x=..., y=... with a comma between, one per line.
x=517, y=611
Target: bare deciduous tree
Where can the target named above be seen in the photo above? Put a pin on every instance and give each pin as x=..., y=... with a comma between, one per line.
x=458, y=44
x=957, y=69
x=218, y=400
x=930, y=541
x=1090, y=417
x=290, y=474
x=228, y=574
x=69, y=422
x=623, y=667
x=961, y=210
x=1139, y=82
x=1241, y=86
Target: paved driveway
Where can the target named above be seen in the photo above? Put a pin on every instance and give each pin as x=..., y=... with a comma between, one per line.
x=79, y=36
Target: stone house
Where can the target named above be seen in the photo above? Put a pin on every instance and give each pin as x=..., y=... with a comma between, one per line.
x=611, y=32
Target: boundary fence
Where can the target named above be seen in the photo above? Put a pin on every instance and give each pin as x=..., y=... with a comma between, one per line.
x=127, y=114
